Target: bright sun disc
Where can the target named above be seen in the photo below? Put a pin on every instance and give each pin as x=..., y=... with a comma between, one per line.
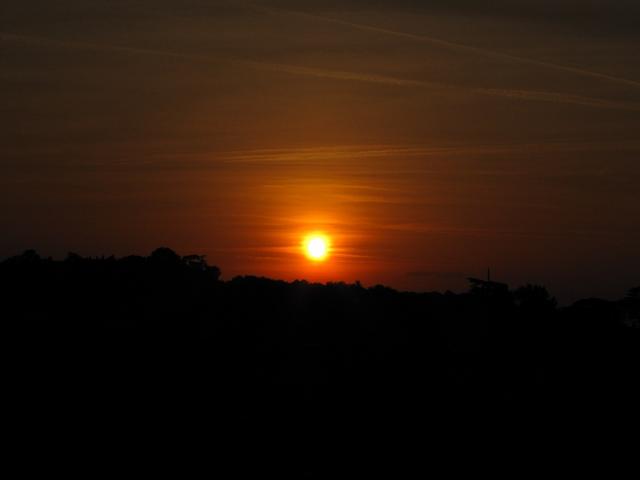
x=316, y=247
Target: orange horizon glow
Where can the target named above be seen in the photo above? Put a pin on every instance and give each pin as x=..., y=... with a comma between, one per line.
x=422, y=163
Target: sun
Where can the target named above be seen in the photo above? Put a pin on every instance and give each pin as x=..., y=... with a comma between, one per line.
x=316, y=247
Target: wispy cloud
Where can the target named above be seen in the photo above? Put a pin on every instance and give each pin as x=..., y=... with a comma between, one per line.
x=540, y=96
x=346, y=158
x=555, y=97
x=460, y=47
x=84, y=45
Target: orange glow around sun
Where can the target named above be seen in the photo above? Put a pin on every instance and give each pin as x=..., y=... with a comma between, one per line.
x=316, y=247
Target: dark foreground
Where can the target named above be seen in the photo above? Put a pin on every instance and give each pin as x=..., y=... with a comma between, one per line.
x=143, y=346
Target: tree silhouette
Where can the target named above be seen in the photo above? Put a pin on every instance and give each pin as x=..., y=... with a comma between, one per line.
x=169, y=319
x=535, y=299
x=165, y=256
x=28, y=257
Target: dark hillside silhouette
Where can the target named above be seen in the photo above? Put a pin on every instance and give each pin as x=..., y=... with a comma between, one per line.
x=147, y=337
x=165, y=294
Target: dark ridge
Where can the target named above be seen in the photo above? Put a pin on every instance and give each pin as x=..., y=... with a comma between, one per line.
x=149, y=338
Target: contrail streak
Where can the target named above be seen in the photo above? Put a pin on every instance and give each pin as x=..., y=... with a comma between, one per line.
x=82, y=45
x=552, y=97
x=456, y=46
x=540, y=96
x=555, y=97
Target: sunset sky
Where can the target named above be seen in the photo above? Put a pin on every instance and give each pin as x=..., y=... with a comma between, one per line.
x=428, y=140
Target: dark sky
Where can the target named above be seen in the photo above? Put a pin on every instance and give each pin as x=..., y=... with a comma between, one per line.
x=428, y=139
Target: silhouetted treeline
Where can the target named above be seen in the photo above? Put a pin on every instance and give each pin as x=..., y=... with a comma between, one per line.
x=168, y=324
